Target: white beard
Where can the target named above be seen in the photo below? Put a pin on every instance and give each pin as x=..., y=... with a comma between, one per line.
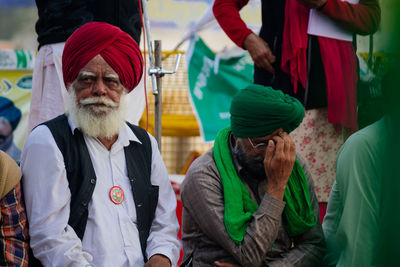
x=105, y=121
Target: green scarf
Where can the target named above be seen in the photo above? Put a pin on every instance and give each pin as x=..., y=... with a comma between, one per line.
x=238, y=210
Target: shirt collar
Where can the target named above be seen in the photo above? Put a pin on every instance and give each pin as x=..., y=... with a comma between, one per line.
x=125, y=135
x=71, y=123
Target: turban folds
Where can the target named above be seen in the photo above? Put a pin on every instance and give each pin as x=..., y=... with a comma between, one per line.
x=258, y=111
x=117, y=48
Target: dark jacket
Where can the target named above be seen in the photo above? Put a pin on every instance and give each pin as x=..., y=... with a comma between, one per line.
x=58, y=19
x=273, y=16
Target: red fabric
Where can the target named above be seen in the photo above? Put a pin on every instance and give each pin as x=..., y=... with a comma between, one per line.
x=340, y=66
x=179, y=209
x=338, y=58
x=227, y=14
x=117, y=48
x=361, y=18
x=322, y=210
x=295, y=41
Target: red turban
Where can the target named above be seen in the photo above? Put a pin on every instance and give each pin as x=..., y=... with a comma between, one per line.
x=117, y=48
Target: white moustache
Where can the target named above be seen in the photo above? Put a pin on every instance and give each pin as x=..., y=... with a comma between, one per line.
x=102, y=120
x=98, y=100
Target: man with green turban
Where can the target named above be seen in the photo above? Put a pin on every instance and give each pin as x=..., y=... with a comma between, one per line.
x=250, y=200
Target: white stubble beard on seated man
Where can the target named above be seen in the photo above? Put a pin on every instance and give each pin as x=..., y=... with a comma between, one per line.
x=96, y=125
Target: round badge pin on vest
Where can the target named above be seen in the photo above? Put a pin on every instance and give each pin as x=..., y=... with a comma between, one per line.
x=116, y=195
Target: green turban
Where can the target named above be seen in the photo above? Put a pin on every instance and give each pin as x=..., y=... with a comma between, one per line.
x=258, y=111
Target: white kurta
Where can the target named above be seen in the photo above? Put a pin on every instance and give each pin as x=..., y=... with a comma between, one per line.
x=111, y=236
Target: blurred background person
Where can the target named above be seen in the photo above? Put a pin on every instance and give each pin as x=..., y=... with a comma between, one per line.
x=363, y=181
x=387, y=245
x=361, y=224
x=10, y=116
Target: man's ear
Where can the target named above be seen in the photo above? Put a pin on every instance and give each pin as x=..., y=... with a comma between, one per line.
x=234, y=140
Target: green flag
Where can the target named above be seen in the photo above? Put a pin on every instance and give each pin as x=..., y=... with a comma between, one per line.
x=213, y=81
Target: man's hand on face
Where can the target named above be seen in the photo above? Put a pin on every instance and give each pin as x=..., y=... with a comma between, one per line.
x=278, y=163
x=158, y=260
x=313, y=3
x=260, y=52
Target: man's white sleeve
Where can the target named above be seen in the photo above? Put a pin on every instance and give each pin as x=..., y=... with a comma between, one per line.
x=163, y=232
x=47, y=198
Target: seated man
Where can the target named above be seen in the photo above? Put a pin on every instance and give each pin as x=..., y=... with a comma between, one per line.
x=362, y=215
x=250, y=200
x=97, y=191
x=13, y=224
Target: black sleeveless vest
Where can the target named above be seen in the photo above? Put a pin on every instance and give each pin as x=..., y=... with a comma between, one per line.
x=82, y=179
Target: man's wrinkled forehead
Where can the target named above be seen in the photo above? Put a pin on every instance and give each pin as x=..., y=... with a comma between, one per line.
x=84, y=73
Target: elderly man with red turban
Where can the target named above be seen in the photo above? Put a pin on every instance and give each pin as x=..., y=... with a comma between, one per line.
x=97, y=192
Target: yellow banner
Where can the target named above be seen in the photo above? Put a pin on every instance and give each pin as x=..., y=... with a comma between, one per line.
x=15, y=94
